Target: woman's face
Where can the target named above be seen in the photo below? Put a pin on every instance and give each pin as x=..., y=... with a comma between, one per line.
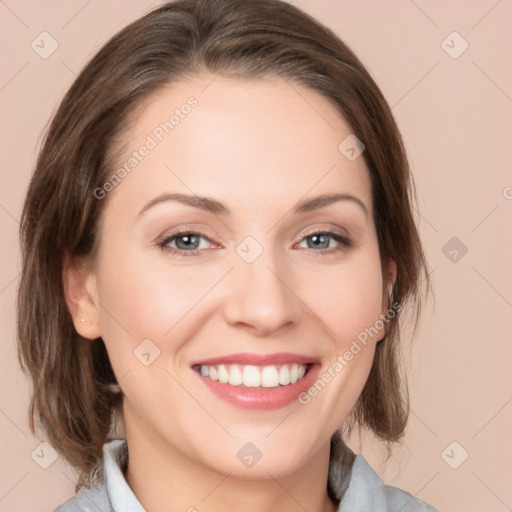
x=247, y=292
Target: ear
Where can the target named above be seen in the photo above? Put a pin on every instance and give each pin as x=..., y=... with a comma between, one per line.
x=390, y=278
x=389, y=275
x=80, y=292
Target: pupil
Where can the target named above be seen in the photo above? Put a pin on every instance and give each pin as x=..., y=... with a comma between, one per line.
x=317, y=238
x=188, y=239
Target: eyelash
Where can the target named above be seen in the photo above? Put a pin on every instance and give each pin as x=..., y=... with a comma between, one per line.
x=163, y=244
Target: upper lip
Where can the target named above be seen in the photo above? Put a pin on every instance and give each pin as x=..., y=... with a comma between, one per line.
x=248, y=358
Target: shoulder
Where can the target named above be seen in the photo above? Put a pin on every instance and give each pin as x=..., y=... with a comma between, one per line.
x=366, y=491
x=113, y=493
x=94, y=499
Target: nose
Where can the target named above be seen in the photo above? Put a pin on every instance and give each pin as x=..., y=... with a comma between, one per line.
x=261, y=297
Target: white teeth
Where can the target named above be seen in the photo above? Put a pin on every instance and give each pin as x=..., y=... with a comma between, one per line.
x=255, y=376
x=235, y=376
x=213, y=373
x=294, y=374
x=223, y=374
x=251, y=376
x=284, y=375
x=269, y=377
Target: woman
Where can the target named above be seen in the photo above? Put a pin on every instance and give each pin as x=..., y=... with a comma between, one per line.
x=217, y=243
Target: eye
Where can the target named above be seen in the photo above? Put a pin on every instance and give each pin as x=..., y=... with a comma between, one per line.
x=188, y=243
x=321, y=240
x=185, y=243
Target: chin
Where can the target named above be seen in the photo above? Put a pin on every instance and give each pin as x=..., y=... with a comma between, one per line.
x=248, y=460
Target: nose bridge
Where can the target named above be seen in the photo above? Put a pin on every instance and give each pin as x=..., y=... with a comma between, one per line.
x=259, y=294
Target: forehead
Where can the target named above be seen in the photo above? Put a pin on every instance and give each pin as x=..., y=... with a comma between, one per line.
x=245, y=142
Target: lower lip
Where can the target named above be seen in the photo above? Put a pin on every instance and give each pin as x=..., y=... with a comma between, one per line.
x=265, y=399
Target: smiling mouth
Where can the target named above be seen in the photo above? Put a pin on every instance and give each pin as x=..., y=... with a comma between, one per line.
x=251, y=376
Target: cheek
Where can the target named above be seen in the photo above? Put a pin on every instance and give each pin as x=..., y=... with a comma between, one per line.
x=348, y=298
x=350, y=308
x=147, y=310
x=147, y=300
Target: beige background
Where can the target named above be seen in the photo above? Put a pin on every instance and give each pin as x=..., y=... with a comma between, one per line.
x=455, y=115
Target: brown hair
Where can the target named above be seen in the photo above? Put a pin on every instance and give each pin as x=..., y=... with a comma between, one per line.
x=73, y=382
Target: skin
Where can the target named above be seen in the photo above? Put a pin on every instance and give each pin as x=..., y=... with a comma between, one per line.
x=258, y=147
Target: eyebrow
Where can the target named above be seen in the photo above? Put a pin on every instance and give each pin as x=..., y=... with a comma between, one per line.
x=213, y=206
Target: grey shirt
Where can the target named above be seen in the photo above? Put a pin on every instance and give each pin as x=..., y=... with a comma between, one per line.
x=366, y=492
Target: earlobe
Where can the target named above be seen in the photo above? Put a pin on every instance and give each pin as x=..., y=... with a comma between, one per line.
x=79, y=285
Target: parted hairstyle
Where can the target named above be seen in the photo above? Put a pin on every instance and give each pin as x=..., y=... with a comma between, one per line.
x=74, y=390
